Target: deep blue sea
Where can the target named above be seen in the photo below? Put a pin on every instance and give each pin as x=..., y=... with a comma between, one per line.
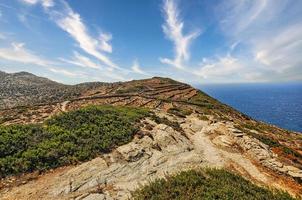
x=278, y=104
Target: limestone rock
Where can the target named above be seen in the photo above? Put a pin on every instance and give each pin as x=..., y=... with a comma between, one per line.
x=95, y=197
x=295, y=174
x=223, y=140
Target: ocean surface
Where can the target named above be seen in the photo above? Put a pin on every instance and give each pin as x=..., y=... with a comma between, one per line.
x=278, y=104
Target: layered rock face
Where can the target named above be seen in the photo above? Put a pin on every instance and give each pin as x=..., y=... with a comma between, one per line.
x=195, y=131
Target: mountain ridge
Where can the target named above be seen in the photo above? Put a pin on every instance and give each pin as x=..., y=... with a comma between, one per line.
x=24, y=88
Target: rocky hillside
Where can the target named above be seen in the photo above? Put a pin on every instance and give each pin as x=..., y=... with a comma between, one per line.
x=185, y=129
x=24, y=88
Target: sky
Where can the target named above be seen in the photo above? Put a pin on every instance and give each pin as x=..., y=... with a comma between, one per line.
x=194, y=41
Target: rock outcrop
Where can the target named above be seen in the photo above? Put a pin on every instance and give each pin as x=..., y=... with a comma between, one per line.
x=154, y=153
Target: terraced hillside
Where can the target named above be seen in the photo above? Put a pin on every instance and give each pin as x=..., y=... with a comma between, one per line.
x=188, y=130
x=155, y=93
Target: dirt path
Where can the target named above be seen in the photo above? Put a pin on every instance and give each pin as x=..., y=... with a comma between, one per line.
x=217, y=157
x=211, y=155
x=64, y=105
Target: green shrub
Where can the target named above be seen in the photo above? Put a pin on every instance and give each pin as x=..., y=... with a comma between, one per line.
x=203, y=117
x=67, y=138
x=180, y=112
x=207, y=184
x=203, y=100
x=133, y=89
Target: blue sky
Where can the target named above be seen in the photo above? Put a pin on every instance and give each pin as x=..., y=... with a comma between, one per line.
x=195, y=41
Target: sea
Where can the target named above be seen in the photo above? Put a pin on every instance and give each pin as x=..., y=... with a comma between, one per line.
x=275, y=103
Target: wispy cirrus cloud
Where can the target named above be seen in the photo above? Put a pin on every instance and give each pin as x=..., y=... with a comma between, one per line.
x=44, y=3
x=72, y=23
x=65, y=72
x=236, y=17
x=81, y=61
x=18, y=53
x=281, y=52
x=268, y=36
x=219, y=68
x=226, y=69
x=136, y=68
x=95, y=46
x=104, y=40
x=264, y=39
x=173, y=29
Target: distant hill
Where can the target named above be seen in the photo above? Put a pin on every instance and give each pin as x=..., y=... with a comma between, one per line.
x=23, y=88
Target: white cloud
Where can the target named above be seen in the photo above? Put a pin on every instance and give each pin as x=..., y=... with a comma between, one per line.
x=18, y=53
x=48, y=3
x=223, y=67
x=282, y=51
x=173, y=29
x=65, y=72
x=82, y=61
x=96, y=47
x=44, y=3
x=71, y=22
x=30, y=1
x=228, y=69
x=137, y=69
x=270, y=35
x=237, y=16
x=104, y=42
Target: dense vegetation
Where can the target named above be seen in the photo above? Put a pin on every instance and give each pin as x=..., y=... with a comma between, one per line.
x=67, y=138
x=207, y=184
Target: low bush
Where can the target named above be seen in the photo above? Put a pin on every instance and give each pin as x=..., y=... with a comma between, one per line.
x=133, y=89
x=180, y=112
x=203, y=117
x=207, y=184
x=67, y=138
